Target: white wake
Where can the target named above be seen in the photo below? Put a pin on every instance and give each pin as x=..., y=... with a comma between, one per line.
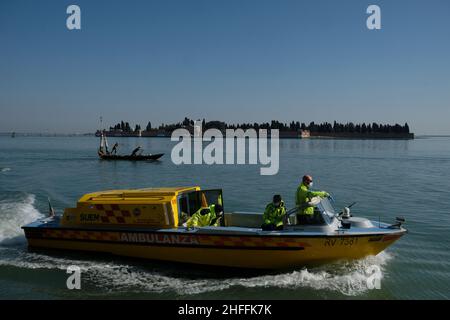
x=14, y=214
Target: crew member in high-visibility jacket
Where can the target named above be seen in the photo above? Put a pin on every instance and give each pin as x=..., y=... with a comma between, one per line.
x=303, y=197
x=206, y=216
x=274, y=214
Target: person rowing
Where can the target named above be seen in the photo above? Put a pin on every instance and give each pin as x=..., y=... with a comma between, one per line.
x=114, y=149
x=135, y=151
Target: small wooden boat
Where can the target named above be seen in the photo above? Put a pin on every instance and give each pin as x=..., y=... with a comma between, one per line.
x=104, y=154
x=142, y=157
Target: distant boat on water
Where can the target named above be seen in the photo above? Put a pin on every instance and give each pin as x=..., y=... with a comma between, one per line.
x=104, y=153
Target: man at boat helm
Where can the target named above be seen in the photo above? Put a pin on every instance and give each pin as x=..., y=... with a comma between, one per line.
x=274, y=214
x=206, y=216
x=305, y=214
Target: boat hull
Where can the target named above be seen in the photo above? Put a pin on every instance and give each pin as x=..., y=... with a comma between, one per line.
x=242, y=251
x=132, y=158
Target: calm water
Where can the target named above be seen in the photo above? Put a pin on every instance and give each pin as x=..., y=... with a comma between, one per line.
x=386, y=178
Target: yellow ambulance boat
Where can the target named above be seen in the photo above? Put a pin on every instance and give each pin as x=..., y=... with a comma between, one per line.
x=150, y=223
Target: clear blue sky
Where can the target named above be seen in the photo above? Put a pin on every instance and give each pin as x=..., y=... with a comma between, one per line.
x=246, y=60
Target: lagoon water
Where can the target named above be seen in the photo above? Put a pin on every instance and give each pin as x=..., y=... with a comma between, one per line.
x=386, y=178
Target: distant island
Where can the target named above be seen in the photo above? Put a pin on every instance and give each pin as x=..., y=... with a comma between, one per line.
x=294, y=129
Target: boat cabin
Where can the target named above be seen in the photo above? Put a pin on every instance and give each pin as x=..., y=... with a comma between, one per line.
x=149, y=207
x=166, y=208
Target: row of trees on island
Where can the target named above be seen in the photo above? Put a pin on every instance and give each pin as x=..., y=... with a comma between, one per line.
x=125, y=127
x=294, y=126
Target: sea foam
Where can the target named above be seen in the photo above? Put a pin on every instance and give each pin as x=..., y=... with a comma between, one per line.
x=14, y=213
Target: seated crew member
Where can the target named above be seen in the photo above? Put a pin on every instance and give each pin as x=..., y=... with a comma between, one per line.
x=274, y=214
x=303, y=197
x=206, y=216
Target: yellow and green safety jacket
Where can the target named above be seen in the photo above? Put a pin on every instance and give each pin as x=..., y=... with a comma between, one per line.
x=203, y=220
x=274, y=215
x=303, y=196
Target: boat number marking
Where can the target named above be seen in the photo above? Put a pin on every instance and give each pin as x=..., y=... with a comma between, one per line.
x=342, y=241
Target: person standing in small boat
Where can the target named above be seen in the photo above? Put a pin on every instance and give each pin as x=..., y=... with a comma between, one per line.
x=114, y=149
x=135, y=151
x=303, y=197
x=274, y=214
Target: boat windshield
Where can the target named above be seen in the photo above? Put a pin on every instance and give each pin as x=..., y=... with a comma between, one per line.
x=326, y=207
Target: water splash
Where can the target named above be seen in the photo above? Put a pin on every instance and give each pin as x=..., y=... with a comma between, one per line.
x=348, y=278
x=14, y=213
x=5, y=169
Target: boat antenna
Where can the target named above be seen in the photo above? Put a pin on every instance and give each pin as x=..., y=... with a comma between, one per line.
x=51, y=212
